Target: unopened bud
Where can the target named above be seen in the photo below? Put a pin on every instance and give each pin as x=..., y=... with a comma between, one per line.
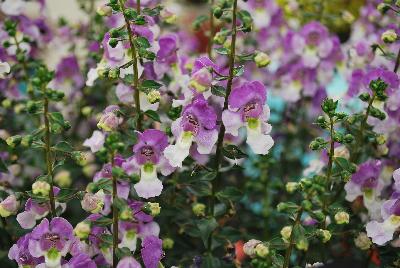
x=262, y=59
x=389, y=36
x=342, y=217
x=199, y=209
x=82, y=230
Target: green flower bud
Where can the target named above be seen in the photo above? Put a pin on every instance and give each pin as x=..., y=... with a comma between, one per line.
x=167, y=243
x=219, y=38
x=152, y=208
x=262, y=59
x=217, y=12
x=262, y=250
x=41, y=188
x=380, y=139
x=329, y=106
x=302, y=244
x=63, y=178
x=153, y=96
x=87, y=110
x=104, y=10
x=199, y=209
x=348, y=138
x=286, y=232
x=292, y=186
x=389, y=36
x=82, y=230
x=325, y=235
x=113, y=42
x=6, y=103
x=13, y=141
x=126, y=214
x=362, y=241
x=307, y=205
x=114, y=73
x=27, y=141
x=364, y=97
x=342, y=217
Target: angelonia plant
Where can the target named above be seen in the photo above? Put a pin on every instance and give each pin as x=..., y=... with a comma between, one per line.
x=227, y=133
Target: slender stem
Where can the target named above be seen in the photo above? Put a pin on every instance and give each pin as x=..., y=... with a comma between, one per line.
x=363, y=124
x=291, y=239
x=330, y=164
x=115, y=214
x=221, y=134
x=134, y=65
x=212, y=31
x=48, y=154
x=397, y=64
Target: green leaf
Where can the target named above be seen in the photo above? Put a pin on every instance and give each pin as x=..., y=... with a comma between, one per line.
x=211, y=262
x=218, y=90
x=63, y=146
x=151, y=84
x=152, y=12
x=198, y=21
x=222, y=51
x=142, y=42
x=238, y=71
x=103, y=222
x=120, y=204
x=66, y=195
x=277, y=260
x=3, y=167
x=153, y=115
x=206, y=227
x=229, y=193
x=233, y=152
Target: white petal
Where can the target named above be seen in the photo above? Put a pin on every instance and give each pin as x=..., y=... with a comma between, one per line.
x=149, y=185
x=232, y=122
x=96, y=142
x=91, y=77
x=259, y=142
x=310, y=58
x=128, y=241
x=26, y=219
x=175, y=154
x=145, y=105
x=352, y=191
x=12, y=7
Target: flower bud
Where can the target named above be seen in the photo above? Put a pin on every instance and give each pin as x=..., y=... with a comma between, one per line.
x=380, y=139
x=168, y=16
x=325, y=235
x=199, y=209
x=348, y=17
x=114, y=73
x=13, y=140
x=6, y=103
x=302, y=244
x=262, y=250
x=262, y=59
x=382, y=7
x=153, y=96
x=126, y=214
x=167, y=243
x=364, y=96
x=27, y=141
x=219, y=38
x=201, y=80
x=41, y=188
x=249, y=248
x=93, y=203
x=152, y=208
x=217, y=11
x=397, y=3
x=63, y=178
x=291, y=187
x=108, y=122
x=342, y=217
x=104, y=10
x=9, y=206
x=82, y=230
x=362, y=241
x=389, y=36
x=286, y=232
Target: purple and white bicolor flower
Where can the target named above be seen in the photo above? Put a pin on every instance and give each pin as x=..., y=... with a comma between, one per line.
x=109, y=120
x=128, y=262
x=366, y=182
x=125, y=95
x=312, y=44
x=247, y=108
x=382, y=232
x=96, y=142
x=51, y=240
x=20, y=253
x=148, y=157
x=198, y=124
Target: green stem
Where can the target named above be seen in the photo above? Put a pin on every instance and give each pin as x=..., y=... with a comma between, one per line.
x=48, y=153
x=330, y=164
x=212, y=31
x=115, y=215
x=397, y=64
x=135, y=84
x=291, y=239
x=221, y=134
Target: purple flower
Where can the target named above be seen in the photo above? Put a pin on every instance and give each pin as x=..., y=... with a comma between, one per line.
x=312, y=43
x=128, y=262
x=109, y=121
x=20, y=253
x=81, y=261
x=52, y=240
x=197, y=124
x=9, y=206
x=151, y=251
x=148, y=157
x=247, y=108
x=96, y=142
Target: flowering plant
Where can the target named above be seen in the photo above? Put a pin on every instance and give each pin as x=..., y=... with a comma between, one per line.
x=263, y=135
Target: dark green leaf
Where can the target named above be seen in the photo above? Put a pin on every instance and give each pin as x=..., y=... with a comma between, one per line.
x=222, y=51
x=238, y=71
x=103, y=222
x=153, y=115
x=142, y=42
x=233, y=152
x=206, y=227
x=218, y=90
x=229, y=193
x=3, y=167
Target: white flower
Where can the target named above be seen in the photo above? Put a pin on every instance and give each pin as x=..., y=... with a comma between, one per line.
x=4, y=69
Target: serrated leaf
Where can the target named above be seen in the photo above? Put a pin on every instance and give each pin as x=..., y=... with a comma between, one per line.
x=153, y=115
x=218, y=91
x=229, y=193
x=206, y=227
x=102, y=222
